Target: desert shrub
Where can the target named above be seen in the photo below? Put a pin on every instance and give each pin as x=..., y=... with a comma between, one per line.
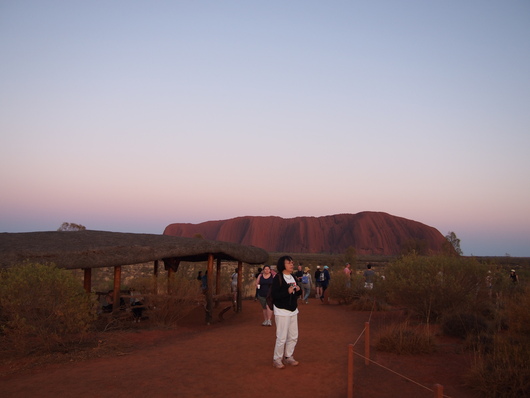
x=402, y=338
x=464, y=325
x=517, y=312
x=345, y=293
x=168, y=309
x=40, y=305
x=433, y=286
x=502, y=369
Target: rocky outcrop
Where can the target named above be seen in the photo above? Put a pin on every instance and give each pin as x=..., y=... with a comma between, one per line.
x=368, y=232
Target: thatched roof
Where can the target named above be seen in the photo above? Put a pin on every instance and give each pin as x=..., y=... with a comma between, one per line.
x=94, y=249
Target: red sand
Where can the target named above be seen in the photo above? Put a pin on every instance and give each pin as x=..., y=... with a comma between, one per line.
x=234, y=359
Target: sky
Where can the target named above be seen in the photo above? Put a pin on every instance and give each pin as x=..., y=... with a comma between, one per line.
x=128, y=116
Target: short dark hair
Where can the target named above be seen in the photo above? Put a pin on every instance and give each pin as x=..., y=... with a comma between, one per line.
x=281, y=263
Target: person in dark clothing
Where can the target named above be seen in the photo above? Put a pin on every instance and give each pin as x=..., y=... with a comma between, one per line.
x=285, y=292
x=318, y=285
x=263, y=285
x=324, y=278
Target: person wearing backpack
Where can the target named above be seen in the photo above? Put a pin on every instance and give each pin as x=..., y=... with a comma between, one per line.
x=318, y=286
x=285, y=292
x=306, y=285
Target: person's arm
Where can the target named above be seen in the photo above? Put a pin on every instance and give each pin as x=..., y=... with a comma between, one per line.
x=257, y=280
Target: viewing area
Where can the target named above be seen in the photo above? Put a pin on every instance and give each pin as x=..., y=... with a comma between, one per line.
x=99, y=249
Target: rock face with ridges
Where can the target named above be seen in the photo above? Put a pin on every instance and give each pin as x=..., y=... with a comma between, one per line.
x=368, y=232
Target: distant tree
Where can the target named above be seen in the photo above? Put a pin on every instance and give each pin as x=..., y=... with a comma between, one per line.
x=67, y=226
x=454, y=241
x=198, y=236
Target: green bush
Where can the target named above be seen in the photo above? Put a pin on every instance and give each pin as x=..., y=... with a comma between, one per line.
x=41, y=304
x=433, y=286
x=341, y=291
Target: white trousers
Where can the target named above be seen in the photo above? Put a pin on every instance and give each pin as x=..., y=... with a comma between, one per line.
x=286, y=336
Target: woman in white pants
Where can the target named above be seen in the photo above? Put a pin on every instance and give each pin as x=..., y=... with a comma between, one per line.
x=285, y=294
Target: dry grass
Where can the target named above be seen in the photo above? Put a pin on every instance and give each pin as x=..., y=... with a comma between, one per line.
x=403, y=338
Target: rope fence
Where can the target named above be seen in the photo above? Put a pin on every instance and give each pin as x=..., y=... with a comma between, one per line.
x=438, y=388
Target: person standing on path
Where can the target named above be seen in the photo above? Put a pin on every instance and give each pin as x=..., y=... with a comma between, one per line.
x=306, y=285
x=369, y=275
x=324, y=282
x=285, y=292
x=263, y=285
x=318, y=285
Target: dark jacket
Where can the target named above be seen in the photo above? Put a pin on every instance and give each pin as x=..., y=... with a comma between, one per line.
x=281, y=296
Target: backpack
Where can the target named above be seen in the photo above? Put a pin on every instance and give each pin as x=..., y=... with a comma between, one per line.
x=305, y=279
x=322, y=276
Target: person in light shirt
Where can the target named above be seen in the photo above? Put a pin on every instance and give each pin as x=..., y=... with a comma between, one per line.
x=285, y=292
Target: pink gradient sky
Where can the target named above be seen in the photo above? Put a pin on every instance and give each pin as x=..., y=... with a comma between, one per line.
x=128, y=116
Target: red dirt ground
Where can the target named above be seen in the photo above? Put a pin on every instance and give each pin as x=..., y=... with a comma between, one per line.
x=234, y=359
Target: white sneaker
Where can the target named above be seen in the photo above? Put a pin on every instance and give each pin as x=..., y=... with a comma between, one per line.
x=269, y=322
x=291, y=361
x=278, y=364
x=265, y=323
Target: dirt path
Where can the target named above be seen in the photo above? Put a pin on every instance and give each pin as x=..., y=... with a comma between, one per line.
x=234, y=359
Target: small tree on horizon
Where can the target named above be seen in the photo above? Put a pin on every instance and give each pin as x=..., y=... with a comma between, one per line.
x=67, y=226
x=454, y=241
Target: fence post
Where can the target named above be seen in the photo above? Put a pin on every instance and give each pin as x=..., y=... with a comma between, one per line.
x=367, y=343
x=438, y=391
x=350, y=370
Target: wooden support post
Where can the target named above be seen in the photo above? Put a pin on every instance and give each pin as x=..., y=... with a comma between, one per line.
x=209, y=292
x=87, y=282
x=117, y=287
x=350, y=370
x=218, y=280
x=438, y=391
x=239, y=285
x=169, y=275
x=155, y=277
x=367, y=343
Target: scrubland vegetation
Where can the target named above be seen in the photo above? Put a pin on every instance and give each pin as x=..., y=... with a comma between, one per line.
x=45, y=308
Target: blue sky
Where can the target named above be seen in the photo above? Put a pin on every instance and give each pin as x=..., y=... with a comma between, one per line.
x=128, y=115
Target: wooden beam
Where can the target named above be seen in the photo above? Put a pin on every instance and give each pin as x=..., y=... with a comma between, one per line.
x=239, y=285
x=209, y=291
x=117, y=287
x=87, y=282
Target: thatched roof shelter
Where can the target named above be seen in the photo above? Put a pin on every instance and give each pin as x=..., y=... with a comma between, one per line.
x=94, y=249
x=97, y=249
